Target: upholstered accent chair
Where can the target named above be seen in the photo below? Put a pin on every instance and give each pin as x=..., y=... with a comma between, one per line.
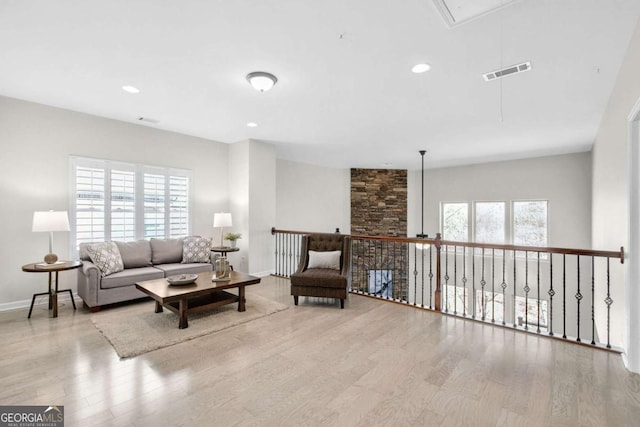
x=323, y=272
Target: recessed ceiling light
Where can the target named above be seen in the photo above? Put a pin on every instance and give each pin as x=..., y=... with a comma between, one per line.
x=130, y=89
x=421, y=68
x=252, y=124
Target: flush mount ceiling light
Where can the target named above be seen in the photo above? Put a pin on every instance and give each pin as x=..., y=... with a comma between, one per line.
x=261, y=80
x=252, y=124
x=130, y=89
x=421, y=68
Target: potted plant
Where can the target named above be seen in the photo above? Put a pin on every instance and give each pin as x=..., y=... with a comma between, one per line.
x=232, y=237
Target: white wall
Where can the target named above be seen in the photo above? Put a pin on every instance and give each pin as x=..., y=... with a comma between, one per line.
x=611, y=193
x=262, y=206
x=239, y=201
x=565, y=181
x=252, y=195
x=312, y=198
x=35, y=144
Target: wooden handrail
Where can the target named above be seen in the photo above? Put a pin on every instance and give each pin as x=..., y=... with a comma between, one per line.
x=438, y=242
x=275, y=230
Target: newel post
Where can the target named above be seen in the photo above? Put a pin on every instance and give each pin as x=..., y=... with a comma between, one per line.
x=436, y=296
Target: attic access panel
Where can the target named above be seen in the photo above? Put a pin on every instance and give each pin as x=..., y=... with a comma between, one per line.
x=456, y=12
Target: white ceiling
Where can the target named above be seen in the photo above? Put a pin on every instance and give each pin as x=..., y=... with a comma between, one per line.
x=346, y=96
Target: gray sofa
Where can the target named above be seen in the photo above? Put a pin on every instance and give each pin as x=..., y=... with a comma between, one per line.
x=142, y=260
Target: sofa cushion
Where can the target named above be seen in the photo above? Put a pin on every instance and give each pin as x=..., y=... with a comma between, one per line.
x=130, y=276
x=106, y=257
x=330, y=278
x=166, y=251
x=135, y=254
x=179, y=268
x=196, y=249
x=327, y=259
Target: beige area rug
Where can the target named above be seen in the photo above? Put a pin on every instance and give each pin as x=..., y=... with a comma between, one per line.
x=136, y=329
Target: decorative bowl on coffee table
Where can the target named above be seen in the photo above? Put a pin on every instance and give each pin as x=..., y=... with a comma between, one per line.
x=182, y=279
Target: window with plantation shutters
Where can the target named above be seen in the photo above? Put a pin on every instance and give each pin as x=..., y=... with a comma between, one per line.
x=125, y=202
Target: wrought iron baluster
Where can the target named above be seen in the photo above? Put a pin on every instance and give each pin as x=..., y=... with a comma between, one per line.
x=275, y=255
x=290, y=255
x=464, y=281
x=283, y=240
x=493, y=285
x=593, y=301
x=430, y=277
x=422, y=275
x=551, y=293
x=455, y=279
x=526, y=290
x=415, y=265
x=483, y=297
x=564, y=296
x=578, y=298
x=446, y=279
x=474, y=309
x=608, y=301
x=515, y=287
x=503, y=285
x=538, y=292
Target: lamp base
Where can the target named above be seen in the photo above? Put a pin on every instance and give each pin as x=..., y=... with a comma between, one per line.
x=50, y=258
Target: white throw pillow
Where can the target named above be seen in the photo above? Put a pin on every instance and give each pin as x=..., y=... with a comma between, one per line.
x=196, y=249
x=328, y=259
x=106, y=256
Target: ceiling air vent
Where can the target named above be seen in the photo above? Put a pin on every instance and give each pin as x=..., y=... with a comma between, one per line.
x=508, y=71
x=148, y=120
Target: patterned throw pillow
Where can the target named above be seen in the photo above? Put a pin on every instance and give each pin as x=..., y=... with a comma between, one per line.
x=196, y=249
x=106, y=257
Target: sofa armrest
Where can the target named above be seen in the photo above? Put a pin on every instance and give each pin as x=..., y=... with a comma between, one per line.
x=88, y=283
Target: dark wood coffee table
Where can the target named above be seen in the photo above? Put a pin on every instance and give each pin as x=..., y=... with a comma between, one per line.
x=202, y=295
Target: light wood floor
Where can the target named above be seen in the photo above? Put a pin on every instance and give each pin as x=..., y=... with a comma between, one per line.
x=373, y=363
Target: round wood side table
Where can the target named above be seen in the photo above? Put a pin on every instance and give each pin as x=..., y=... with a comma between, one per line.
x=40, y=267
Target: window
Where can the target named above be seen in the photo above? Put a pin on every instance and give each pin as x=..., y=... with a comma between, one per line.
x=455, y=221
x=120, y=201
x=456, y=299
x=530, y=223
x=490, y=221
x=492, y=308
x=527, y=308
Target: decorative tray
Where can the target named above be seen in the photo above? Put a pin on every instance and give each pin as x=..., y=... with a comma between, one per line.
x=182, y=279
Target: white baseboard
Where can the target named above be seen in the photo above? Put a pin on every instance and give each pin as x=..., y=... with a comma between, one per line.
x=262, y=273
x=40, y=300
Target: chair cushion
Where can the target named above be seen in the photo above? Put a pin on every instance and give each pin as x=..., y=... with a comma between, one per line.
x=196, y=249
x=166, y=251
x=130, y=276
x=325, y=242
x=106, y=257
x=327, y=259
x=319, y=277
x=135, y=254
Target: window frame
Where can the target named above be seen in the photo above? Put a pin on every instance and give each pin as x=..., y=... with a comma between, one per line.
x=505, y=225
x=469, y=213
x=513, y=222
x=139, y=171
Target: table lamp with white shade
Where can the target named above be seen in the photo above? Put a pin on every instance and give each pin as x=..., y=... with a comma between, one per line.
x=50, y=221
x=222, y=219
